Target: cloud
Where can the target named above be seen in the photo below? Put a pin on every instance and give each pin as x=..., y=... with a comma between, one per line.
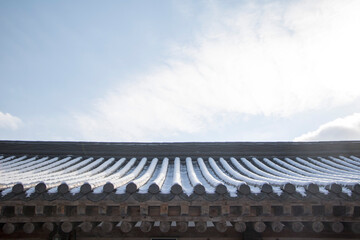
x=347, y=128
x=8, y=121
x=273, y=59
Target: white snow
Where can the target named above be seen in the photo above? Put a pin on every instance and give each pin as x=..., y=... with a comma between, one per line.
x=191, y=173
x=214, y=182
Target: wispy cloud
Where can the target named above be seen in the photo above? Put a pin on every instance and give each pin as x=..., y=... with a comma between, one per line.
x=347, y=128
x=8, y=121
x=277, y=58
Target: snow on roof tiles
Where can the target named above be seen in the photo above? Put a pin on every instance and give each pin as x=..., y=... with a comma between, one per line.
x=130, y=175
x=199, y=173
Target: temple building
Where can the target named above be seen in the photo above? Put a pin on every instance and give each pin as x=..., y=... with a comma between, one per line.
x=168, y=191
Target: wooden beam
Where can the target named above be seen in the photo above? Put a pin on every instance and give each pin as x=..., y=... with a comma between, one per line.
x=355, y=227
x=201, y=226
x=259, y=226
x=28, y=227
x=48, y=227
x=105, y=227
x=86, y=227
x=337, y=227
x=240, y=226
x=146, y=226
x=221, y=226
x=164, y=226
x=126, y=226
x=181, y=226
x=297, y=226
x=8, y=228
x=277, y=226
x=317, y=226
x=66, y=227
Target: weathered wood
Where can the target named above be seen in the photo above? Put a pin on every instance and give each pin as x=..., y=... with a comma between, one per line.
x=337, y=227
x=201, y=226
x=328, y=208
x=63, y=188
x=221, y=226
x=259, y=227
x=317, y=226
x=335, y=188
x=307, y=210
x=66, y=227
x=86, y=227
x=176, y=189
x=48, y=227
x=355, y=227
x=164, y=209
x=246, y=210
x=19, y=210
x=181, y=226
x=108, y=187
x=287, y=210
x=102, y=210
x=28, y=227
x=297, y=226
x=221, y=189
x=8, y=228
x=154, y=188
x=225, y=210
x=60, y=210
x=146, y=226
x=266, y=188
x=244, y=189
x=105, y=227
x=126, y=226
x=312, y=188
x=240, y=226
x=85, y=188
x=131, y=187
x=81, y=209
x=184, y=209
x=199, y=189
x=266, y=210
x=39, y=210
x=277, y=226
x=144, y=210
x=164, y=226
x=349, y=211
x=289, y=188
x=18, y=188
x=123, y=210
x=40, y=187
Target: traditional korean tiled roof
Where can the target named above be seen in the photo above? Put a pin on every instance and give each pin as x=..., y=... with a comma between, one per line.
x=97, y=170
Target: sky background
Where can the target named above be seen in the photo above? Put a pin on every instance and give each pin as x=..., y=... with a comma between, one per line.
x=180, y=70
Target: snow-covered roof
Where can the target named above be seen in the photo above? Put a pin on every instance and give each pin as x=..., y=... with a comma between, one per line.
x=231, y=169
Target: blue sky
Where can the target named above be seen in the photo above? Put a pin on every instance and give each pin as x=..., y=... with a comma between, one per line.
x=179, y=70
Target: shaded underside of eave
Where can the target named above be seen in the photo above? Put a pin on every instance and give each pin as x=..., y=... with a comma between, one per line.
x=188, y=149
